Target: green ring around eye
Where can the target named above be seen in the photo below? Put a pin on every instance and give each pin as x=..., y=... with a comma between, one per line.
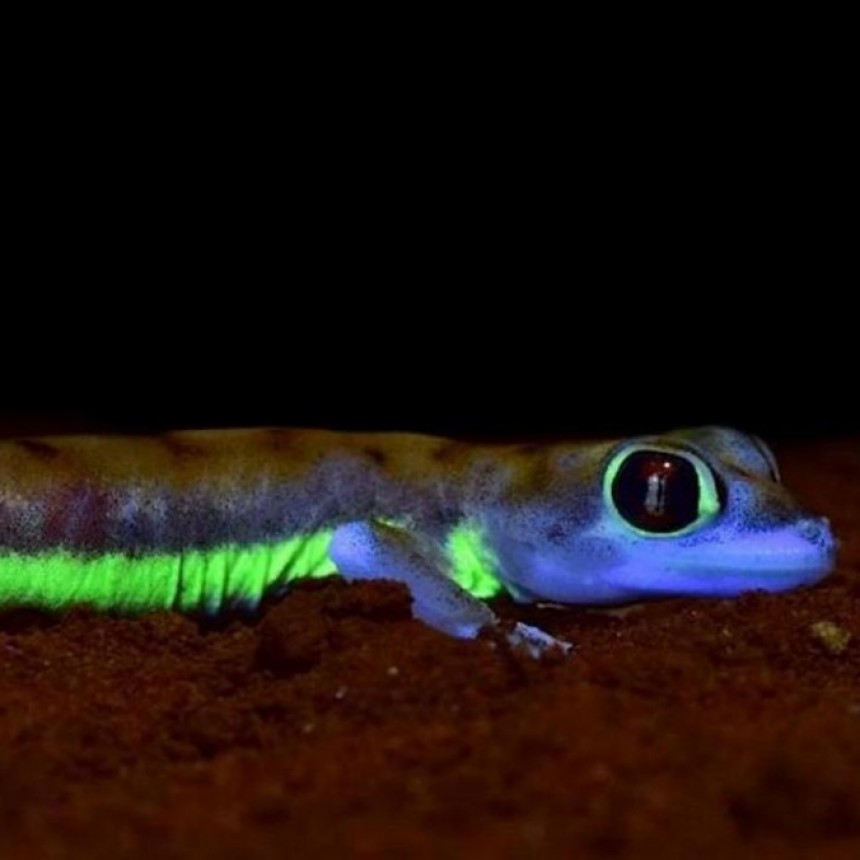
x=707, y=497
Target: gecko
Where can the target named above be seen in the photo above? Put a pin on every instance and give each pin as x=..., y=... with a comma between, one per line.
x=205, y=520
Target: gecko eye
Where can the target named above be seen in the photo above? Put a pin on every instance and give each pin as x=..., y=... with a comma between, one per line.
x=661, y=492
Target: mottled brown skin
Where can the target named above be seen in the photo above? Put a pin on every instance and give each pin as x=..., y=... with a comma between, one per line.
x=185, y=458
x=202, y=487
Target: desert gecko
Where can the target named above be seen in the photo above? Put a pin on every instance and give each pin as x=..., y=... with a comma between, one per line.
x=204, y=520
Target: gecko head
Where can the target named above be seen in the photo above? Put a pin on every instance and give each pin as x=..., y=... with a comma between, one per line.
x=696, y=512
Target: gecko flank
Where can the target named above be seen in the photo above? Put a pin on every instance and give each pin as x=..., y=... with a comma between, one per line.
x=201, y=520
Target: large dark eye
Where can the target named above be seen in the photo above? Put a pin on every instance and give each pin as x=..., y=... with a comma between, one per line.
x=659, y=492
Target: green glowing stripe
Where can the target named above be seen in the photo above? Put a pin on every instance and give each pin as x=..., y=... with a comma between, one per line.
x=203, y=579
x=473, y=563
x=200, y=579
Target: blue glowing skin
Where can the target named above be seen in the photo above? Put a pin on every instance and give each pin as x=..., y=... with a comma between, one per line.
x=139, y=521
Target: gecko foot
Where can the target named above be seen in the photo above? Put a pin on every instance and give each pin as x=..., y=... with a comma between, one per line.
x=535, y=641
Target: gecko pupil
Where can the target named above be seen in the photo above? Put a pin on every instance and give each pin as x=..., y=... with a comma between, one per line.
x=657, y=492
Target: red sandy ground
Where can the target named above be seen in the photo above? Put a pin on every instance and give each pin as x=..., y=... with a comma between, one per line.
x=336, y=726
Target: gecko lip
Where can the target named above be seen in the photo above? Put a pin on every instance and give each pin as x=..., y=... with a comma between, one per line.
x=801, y=554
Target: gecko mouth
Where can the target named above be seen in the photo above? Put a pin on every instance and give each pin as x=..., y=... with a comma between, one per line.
x=778, y=560
x=775, y=561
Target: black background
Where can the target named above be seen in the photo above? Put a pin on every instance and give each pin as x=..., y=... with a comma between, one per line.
x=480, y=291
x=503, y=355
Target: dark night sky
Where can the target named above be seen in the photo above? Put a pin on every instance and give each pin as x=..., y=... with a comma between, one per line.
x=653, y=268
x=528, y=362
x=620, y=296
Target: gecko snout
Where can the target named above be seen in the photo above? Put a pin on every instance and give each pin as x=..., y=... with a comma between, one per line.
x=817, y=531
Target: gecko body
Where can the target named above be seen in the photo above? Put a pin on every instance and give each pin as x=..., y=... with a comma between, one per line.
x=204, y=520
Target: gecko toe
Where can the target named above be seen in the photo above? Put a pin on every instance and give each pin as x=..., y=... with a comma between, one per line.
x=535, y=641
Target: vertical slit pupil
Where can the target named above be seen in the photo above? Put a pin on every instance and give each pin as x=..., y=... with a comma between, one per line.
x=656, y=491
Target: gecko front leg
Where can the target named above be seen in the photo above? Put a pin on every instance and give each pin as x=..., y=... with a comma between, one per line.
x=374, y=550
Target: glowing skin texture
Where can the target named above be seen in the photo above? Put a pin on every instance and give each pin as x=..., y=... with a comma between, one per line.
x=202, y=520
